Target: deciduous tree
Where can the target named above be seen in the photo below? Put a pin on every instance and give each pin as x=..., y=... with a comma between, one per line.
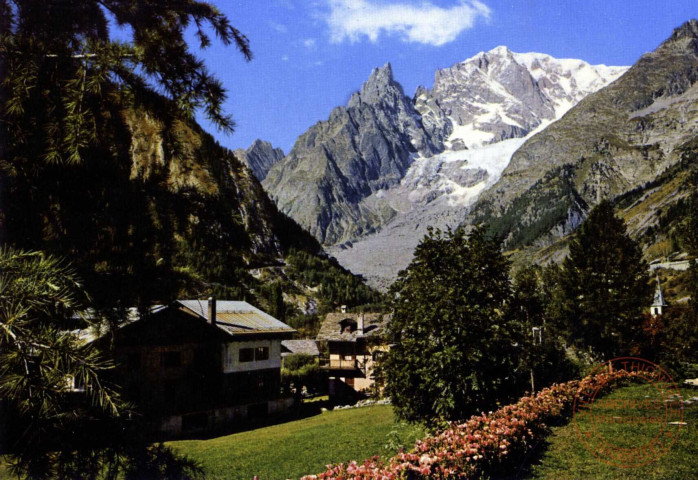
x=454, y=345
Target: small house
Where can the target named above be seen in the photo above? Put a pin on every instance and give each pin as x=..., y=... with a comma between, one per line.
x=299, y=347
x=198, y=365
x=355, y=341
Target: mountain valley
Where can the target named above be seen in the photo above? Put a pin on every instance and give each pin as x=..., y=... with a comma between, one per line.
x=369, y=181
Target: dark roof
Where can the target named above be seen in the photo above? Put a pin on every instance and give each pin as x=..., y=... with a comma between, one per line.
x=234, y=318
x=344, y=327
x=237, y=317
x=306, y=347
x=658, y=296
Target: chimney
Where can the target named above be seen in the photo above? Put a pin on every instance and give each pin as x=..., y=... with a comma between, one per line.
x=212, y=310
x=344, y=309
x=360, y=324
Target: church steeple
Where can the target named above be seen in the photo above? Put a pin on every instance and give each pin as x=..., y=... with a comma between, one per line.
x=658, y=304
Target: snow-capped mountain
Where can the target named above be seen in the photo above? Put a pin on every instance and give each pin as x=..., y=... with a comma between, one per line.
x=482, y=110
x=637, y=132
x=500, y=94
x=374, y=175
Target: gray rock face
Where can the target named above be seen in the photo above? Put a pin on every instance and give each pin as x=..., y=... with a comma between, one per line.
x=613, y=141
x=359, y=150
x=260, y=157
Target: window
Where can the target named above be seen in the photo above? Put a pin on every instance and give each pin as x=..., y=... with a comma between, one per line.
x=246, y=355
x=262, y=353
x=171, y=359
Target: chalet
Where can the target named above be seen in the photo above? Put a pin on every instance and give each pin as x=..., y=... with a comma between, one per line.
x=198, y=365
x=354, y=342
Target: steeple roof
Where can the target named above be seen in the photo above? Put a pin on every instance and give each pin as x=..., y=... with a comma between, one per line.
x=658, y=296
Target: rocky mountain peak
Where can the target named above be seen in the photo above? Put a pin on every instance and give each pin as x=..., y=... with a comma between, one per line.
x=687, y=30
x=500, y=52
x=336, y=179
x=499, y=95
x=380, y=88
x=382, y=74
x=260, y=157
x=358, y=151
x=496, y=57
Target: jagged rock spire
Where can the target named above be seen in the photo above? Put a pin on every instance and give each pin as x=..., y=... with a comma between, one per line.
x=380, y=88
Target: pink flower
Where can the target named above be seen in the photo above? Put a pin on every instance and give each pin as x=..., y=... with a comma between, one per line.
x=458, y=449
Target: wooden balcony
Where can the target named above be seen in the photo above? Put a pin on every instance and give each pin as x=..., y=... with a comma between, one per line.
x=343, y=368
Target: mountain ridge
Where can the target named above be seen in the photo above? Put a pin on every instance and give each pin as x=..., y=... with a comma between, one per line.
x=614, y=140
x=500, y=94
x=260, y=157
x=360, y=149
x=334, y=180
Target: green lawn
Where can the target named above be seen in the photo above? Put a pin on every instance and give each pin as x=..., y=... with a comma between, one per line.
x=567, y=458
x=292, y=449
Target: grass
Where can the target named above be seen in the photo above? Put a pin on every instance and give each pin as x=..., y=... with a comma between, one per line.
x=565, y=457
x=301, y=447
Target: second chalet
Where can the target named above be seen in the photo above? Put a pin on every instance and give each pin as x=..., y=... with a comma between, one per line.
x=355, y=341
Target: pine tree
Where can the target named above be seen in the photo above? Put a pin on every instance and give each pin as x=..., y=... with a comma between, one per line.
x=39, y=359
x=60, y=59
x=605, y=285
x=66, y=79
x=62, y=419
x=66, y=85
x=454, y=344
x=278, y=308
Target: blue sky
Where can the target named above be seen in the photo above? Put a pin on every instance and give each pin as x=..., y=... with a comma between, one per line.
x=310, y=55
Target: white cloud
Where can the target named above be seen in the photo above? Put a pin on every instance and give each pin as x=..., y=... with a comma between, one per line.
x=309, y=43
x=284, y=58
x=279, y=27
x=416, y=23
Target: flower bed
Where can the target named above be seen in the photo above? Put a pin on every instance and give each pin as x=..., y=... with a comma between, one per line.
x=483, y=444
